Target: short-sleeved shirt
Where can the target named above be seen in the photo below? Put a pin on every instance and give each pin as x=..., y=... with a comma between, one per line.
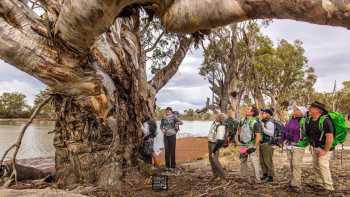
x=314, y=132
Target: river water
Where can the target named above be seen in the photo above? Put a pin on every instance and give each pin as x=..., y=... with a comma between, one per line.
x=38, y=143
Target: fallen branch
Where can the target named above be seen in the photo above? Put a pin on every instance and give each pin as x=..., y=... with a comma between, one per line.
x=18, y=143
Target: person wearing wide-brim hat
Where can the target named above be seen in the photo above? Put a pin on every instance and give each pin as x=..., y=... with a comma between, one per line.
x=321, y=139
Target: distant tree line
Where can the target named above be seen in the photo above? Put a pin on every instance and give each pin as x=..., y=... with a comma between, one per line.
x=14, y=105
x=243, y=67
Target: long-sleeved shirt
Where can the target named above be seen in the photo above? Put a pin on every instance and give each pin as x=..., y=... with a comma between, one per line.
x=169, y=124
x=268, y=131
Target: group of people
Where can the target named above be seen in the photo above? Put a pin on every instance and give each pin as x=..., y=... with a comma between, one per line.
x=258, y=134
x=169, y=126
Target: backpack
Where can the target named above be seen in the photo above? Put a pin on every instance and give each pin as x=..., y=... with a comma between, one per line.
x=248, y=136
x=227, y=140
x=341, y=129
x=278, y=133
x=304, y=140
x=152, y=128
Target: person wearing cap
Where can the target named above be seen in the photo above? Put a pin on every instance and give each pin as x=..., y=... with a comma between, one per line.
x=321, y=139
x=249, y=136
x=293, y=138
x=266, y=146
x=169, y=125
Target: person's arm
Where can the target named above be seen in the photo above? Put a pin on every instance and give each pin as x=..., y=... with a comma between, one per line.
x=162, y=125
x=257, y=139
x=329, y=141
x=328, y=128
x=258, y=130
x=269, y=129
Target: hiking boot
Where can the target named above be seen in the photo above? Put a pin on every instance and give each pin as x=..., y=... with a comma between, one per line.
x=214, y=179
x=268, y=179
x=264, y=177
x=294, y=189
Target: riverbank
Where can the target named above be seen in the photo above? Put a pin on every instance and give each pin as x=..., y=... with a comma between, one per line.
x=187, y=150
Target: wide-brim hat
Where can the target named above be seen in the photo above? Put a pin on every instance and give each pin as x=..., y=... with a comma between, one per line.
x=319, y=105
x=302, y=109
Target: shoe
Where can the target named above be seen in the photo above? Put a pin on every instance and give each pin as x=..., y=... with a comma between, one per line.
x=269, y=179
x=214, y=179
x=264, y=177
x=167, y=169
x=294, y=189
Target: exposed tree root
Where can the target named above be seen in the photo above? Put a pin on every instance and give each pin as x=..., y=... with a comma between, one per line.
x=17, y=145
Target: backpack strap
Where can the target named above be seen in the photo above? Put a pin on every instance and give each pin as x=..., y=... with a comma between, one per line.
x=251, y=123
x=302, y=129
x=320, y=125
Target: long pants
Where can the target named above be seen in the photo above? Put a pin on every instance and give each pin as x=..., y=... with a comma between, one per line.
x=216, y=167
x=253, y=159
x=170, y=149
x=322, y=170
x=295, y=156
x=266, y=159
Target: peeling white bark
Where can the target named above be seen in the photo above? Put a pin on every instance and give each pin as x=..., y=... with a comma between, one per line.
x=81, y=21
x=194, y=15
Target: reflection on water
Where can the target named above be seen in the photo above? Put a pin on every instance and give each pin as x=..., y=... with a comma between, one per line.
x=189, y=128
x=38, y=143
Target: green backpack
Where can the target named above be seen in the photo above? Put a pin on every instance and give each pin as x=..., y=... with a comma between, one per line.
x=340, y=126
x=304, y=141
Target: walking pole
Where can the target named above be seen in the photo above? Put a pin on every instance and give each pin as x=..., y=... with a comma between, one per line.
x=341, y=155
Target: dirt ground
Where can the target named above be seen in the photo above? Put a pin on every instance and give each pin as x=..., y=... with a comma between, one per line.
x=193, y=179
x=193, y=175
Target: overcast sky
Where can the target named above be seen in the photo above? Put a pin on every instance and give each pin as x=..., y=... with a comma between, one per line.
x=327, y=49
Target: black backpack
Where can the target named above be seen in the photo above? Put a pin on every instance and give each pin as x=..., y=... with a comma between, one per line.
x=278, y=133
x=152, y=128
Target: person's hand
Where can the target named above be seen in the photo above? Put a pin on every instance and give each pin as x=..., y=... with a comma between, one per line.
x=213, y=154
x=322, y=152
x=163, y=130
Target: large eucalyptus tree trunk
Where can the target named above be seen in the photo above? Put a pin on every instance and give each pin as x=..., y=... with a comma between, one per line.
x=98, y=138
